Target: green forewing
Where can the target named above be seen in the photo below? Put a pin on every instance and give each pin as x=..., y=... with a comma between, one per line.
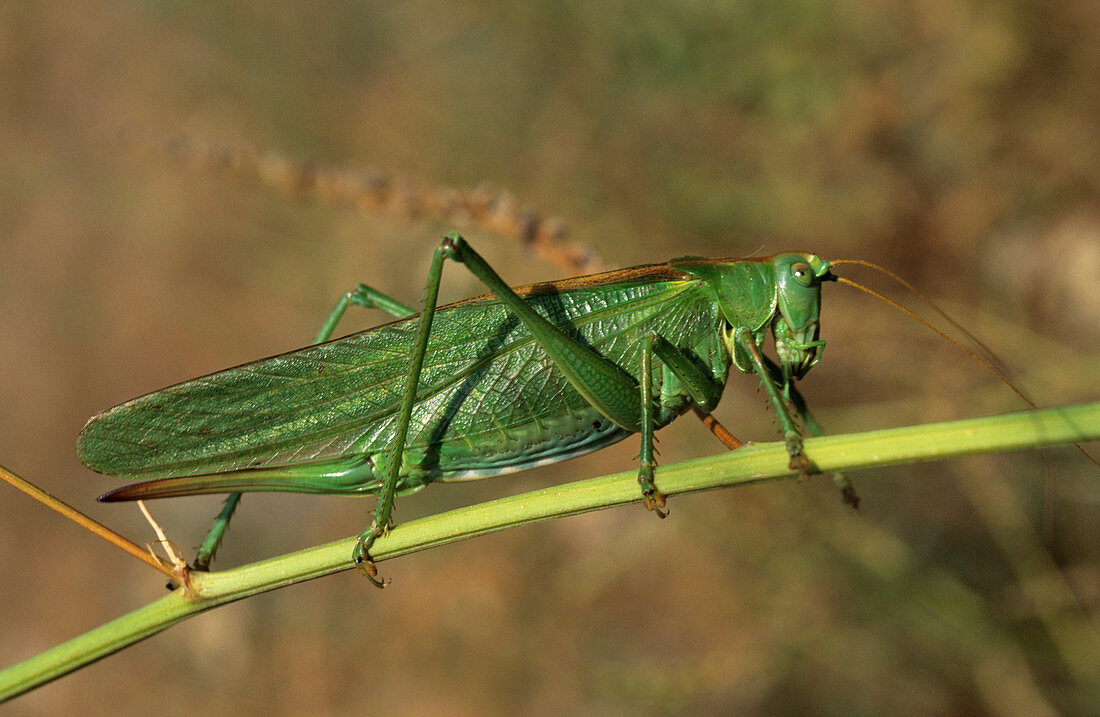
x=490, y=400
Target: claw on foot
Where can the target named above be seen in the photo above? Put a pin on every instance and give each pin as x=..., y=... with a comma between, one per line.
x=366, y=566
x=369, y=570
x=655, y=500
x=799, y=462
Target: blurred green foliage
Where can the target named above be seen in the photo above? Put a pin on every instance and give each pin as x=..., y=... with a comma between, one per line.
x=956, y=143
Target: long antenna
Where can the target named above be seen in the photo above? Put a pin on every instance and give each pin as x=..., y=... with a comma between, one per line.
x=988, y=353
x=988, y=365
x=988, y=361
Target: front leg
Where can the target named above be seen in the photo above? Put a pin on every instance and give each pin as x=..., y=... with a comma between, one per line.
x=847, y=490
x=791, y=435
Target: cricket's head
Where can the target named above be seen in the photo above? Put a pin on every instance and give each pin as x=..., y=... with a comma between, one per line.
x=798, y=278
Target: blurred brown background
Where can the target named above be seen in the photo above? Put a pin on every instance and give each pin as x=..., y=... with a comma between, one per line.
x=957, y=143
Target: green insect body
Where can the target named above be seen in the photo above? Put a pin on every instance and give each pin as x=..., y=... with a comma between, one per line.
x=603, y=356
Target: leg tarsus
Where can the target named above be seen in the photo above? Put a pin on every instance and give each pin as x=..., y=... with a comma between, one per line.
x=363, y=561
x=799, y=462
x=848, y=492
x=652, y=498
x=655, y=500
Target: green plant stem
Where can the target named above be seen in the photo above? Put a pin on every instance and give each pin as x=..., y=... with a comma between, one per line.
x=751, y=464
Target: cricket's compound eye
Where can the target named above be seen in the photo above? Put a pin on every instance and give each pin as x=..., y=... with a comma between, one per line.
x=802, y=273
